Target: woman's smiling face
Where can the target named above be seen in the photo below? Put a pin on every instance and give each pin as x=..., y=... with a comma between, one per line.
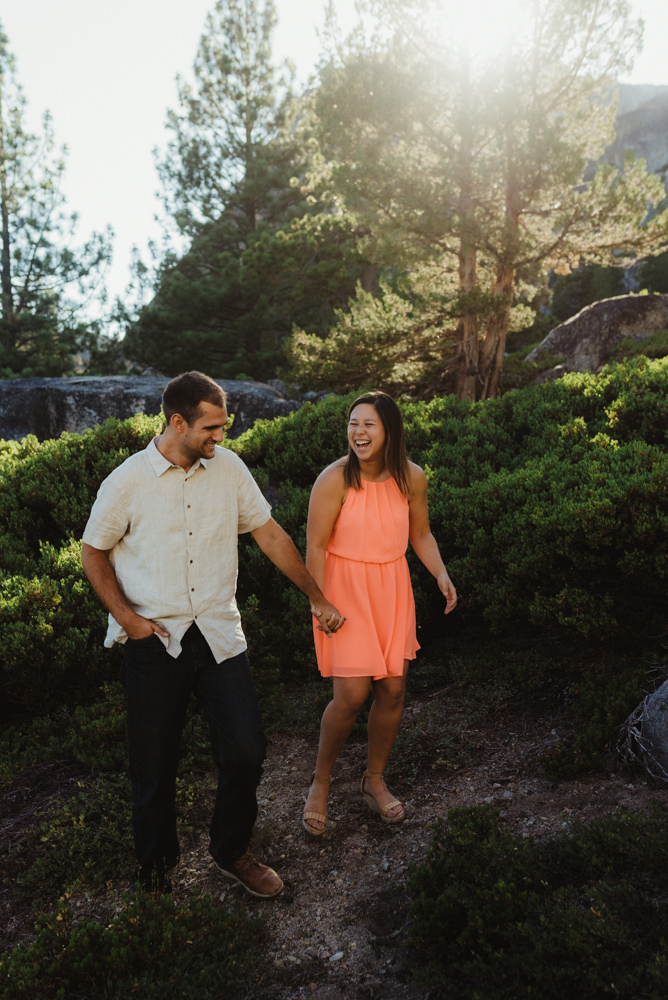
x=366, y=434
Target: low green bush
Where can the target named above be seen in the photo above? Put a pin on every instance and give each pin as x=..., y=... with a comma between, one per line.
x=92, y=735
x=655, y=346
x=51, y=624
x=82, y=837
x=550, y=505
x=600, y=701
x=150, y=949
x=497, y=917
x=83, y=833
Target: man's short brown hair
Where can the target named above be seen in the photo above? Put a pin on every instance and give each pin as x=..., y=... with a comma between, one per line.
x=185, y=394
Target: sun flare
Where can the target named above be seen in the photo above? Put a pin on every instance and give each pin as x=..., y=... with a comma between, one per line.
x=480, y=27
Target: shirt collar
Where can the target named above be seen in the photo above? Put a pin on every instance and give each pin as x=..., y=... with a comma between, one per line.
x=160, y=464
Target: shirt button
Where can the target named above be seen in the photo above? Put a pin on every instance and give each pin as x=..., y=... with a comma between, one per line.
x=190, y=532
x=188, y=505
x=192, y=588
x=191, y=560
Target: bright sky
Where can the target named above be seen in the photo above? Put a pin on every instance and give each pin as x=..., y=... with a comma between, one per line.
x=105, y=70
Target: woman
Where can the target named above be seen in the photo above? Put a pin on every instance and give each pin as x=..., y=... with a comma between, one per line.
x=363, y=510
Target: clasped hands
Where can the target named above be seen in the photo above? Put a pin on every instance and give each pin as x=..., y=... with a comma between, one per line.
x=329, y=619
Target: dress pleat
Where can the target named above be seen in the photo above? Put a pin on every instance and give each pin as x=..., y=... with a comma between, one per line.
x=367, y=579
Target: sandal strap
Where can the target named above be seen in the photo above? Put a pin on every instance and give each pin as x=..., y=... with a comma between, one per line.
x=314, y=815
x=391, y=805
x=320, y=781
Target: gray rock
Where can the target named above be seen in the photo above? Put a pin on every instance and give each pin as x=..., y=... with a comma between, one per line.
x=586, y=341
x=314, y=396
x=48, y=406
x=655, y=727
x=279, y=385
x=644, y=736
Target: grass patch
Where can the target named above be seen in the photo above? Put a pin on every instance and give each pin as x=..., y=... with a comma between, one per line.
x=199, y=950
x=655, y=346
x=496, y=917
x=600, y=702
x=83, y=834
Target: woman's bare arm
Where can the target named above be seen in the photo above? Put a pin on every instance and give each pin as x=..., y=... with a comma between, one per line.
x=423, y=542
x=327, y=496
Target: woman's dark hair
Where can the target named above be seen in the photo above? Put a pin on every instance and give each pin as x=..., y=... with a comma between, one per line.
x=185, y=394
x=396, y=458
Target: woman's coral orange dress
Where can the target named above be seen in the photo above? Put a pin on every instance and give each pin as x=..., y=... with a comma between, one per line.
x=367, y=579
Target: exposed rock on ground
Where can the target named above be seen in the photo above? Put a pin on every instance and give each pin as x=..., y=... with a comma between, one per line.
x=585, y=342
x=48, y=406
x=644, y=735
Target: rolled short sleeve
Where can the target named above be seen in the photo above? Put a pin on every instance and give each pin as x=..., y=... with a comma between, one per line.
x=109, y=518
x=253, y=509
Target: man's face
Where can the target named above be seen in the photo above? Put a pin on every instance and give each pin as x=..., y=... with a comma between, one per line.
x=198, y=440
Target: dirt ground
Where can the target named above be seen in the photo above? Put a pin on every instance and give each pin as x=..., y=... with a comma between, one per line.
x=337, y=928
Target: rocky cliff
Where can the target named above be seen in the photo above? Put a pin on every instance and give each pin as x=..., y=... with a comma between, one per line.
x=642, y=126
x=48, y=406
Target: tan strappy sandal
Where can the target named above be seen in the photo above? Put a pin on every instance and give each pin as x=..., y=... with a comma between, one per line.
x=309, y=814
x=382, y=810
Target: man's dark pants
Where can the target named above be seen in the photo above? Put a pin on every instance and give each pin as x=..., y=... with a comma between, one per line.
x=158, y=689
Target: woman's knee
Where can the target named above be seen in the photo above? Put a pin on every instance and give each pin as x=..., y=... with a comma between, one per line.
x=389, y=694
x=350, y=697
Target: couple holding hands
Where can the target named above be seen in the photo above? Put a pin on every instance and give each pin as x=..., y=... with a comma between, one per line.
x=160, y=550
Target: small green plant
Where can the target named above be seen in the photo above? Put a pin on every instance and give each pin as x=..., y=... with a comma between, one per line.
x=426, y=742
x=601, y=702
x=150, y=949
x=655, y=346
x=497, y=917
x=83, y=837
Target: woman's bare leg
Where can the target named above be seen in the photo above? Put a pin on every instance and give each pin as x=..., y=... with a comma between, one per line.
x=338, y=719
x=384, y=721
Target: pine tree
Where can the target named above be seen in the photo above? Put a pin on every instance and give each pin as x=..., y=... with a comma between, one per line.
x=228, y=160
x=45, y=280
x=251, y=256
x=488, y=163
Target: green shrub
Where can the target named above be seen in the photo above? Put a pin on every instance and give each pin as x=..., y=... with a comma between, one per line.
x=51, y=624
x=601, y=702
x=496, y=916
x=550, y=505
x=85, y=835
x=655, y=346
x=92, y=735
x=52, y=628
x=82, y=837
x=151, y=948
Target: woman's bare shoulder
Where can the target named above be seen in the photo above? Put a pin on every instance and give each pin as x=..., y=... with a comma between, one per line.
x=418, y=477
x=332, y=476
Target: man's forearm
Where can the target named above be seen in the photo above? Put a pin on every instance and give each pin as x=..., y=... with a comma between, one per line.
x=103, y=580
x=285, y=556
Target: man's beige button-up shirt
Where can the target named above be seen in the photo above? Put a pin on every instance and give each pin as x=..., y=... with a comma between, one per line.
x=173, y=541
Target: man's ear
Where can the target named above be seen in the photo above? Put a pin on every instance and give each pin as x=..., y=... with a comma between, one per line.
x=179, y=423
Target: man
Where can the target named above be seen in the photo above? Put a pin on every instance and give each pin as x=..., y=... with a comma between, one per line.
x=160, y=549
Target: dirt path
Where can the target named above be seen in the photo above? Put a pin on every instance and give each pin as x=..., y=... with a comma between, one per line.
x=337, y=928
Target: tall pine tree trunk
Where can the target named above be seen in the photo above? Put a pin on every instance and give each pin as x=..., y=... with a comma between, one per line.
x=468, y=378
x=467, y=327
x=494, y=344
